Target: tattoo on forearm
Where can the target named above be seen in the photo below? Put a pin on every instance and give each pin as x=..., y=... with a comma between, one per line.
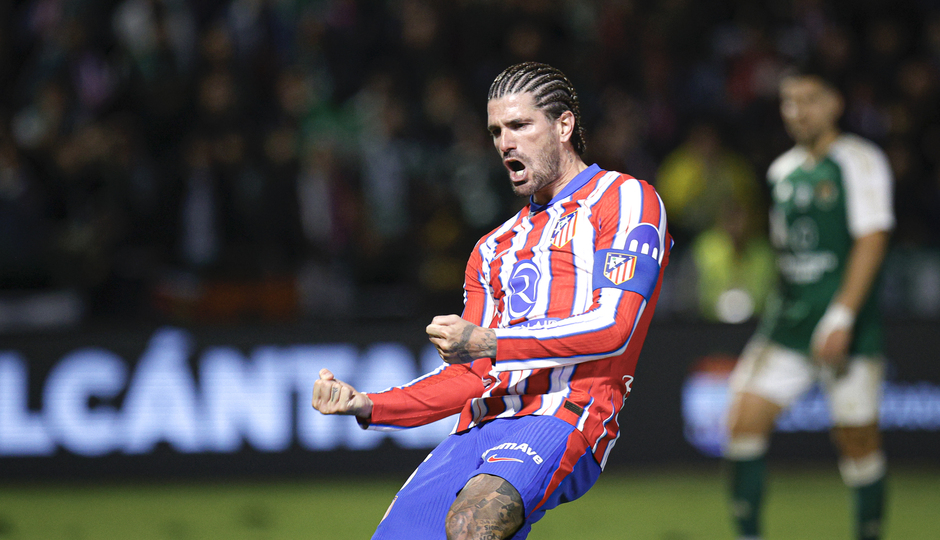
x=463, y=352
x=467, y=353
x=489, y=343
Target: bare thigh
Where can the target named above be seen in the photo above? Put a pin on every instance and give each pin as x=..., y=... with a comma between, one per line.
x=856, y=442
x=751, y=414
x=487, y=508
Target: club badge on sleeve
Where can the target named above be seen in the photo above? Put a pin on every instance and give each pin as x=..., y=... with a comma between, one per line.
x=619, y=267
x=635, y=267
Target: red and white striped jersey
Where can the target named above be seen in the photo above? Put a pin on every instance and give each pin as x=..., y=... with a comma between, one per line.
x=569, y=288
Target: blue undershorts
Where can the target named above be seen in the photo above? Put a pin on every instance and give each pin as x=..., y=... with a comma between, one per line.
x=546, y=459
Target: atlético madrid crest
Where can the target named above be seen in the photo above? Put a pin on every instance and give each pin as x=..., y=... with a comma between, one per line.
x=564, y=230
x=619, y=267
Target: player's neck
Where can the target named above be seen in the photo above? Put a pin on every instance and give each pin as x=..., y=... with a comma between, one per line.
x=571, y=165
x=819, y=146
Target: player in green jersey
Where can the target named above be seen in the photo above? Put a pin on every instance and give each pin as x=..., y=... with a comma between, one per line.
x=830, y=222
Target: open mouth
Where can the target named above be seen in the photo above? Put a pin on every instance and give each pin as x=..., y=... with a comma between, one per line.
x=516, y=169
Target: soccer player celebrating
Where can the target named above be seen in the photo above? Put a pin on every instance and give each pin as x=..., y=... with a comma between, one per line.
x=830, y=222
x=558, y=300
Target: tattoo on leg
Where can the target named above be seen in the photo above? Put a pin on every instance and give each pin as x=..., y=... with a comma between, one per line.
x=488, y=508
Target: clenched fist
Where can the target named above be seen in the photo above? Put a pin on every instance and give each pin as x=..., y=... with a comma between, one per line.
x=331, y=396
x=459, y=341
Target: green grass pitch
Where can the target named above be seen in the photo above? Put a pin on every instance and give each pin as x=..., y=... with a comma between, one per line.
x=670, y=504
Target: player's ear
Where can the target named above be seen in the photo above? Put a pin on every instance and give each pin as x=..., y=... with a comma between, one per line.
x=565, y=126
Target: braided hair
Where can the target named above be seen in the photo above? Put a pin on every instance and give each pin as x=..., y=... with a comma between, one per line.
x=553, y=93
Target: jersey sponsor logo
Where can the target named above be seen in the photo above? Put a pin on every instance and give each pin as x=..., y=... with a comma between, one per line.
x=537, y=324
x=806, y=268
x=518, y=447
x=565, y=229
x=619, y=267
x=523, y=288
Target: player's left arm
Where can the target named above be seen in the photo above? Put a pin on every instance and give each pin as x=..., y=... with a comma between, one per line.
x=632, y=249
x=869, y=207
x=833, y=335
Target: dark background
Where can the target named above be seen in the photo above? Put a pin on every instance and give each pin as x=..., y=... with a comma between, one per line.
x=285, y=171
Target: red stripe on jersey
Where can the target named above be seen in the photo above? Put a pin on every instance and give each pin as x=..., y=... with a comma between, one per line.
x=590, y=351
x=562, y=275
x=474, y=297
x=651, y=205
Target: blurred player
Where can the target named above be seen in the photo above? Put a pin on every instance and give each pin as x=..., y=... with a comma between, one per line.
x=557, y=302
x=830, y=223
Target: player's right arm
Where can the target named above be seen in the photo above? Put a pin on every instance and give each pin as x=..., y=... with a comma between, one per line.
x=332, y=396
x=446, y=390
x=439, y=394
x=429, y=398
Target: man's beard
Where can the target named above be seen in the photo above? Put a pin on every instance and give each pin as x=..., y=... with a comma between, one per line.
x=545, y=170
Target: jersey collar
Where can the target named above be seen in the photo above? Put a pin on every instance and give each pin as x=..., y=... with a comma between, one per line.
x=575, y=184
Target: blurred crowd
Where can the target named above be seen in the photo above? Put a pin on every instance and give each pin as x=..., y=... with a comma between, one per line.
x=221, y=160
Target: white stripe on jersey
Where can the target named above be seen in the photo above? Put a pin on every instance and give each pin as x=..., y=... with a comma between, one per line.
x=477, y=406
x=586, y=414
x=558, y=390
x=600, y=317
x=487, y=254
x=517, y=382
x=489, y=306
x=508, y=260
x=603, y=433
x=631, y=204
x=630, y=193
x=612, y=442
x=542, y=256
x=582, y=247
x=478, y=410
x=513, y=405
x=584, y=325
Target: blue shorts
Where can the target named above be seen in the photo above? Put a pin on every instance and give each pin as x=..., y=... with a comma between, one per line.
x=546, y=459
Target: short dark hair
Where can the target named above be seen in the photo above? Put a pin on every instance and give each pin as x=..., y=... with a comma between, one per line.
x=553, y=93
x=814, y=67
